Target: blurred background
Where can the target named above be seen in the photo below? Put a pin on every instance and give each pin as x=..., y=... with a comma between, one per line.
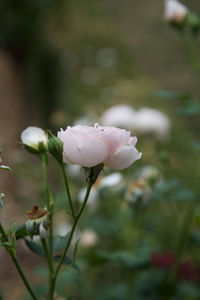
x=62, y=61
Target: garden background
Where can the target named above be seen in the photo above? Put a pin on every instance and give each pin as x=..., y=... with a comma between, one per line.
x=62, y=60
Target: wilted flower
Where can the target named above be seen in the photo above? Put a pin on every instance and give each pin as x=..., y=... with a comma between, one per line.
x=175, y=12
x=119, y=115
x=89, y=146
x=37, y=221
x=150, y=174
x=138, y=192
x=34, y=139
x=152, y=122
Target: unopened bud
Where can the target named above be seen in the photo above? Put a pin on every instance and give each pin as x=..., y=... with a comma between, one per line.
x=34, y=140
x=55, y=147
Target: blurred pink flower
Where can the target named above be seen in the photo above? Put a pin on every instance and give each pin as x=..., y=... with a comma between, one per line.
x=163, y=260
x=187, y=270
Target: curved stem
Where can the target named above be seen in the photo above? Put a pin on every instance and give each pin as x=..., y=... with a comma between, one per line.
x=67, y=189
x=14, y=259
x=17, y=265
x=76, y=219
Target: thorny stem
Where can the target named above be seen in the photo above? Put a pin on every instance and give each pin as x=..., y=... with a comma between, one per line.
x=17, y=265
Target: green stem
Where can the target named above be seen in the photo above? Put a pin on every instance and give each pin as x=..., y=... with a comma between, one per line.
x=48, y=204
x=76, y=219
x=17, y=265
x=46, y=188
x=67, y=189
x=48, y=257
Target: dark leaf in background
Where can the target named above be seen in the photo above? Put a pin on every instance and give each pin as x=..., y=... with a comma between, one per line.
x=125, y=259
x=59, y=242
x=171, y=95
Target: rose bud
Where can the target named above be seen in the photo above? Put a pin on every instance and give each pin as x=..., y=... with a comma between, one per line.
x=175, y=12
x=55, y=147
x=90, y=146
x=34, y=139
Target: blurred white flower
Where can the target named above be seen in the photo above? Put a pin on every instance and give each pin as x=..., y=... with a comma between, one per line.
x=61, y=224
x=89, y=238
x=150, y=174
x=175, y=12
x=118, y=115
x=62, y=228
x=33, y=137
x=153, y=122
x=111, y=180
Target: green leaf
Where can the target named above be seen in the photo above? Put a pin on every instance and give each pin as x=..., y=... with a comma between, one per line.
x=67, y=261
x=20, y=231
x=7, y=244
x=171, y=95
x=59, y=242
x=2, y=167
x=34, y=247
x=189, y=109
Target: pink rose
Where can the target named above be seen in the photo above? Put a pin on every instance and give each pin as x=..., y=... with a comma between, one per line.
x=89, y=146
